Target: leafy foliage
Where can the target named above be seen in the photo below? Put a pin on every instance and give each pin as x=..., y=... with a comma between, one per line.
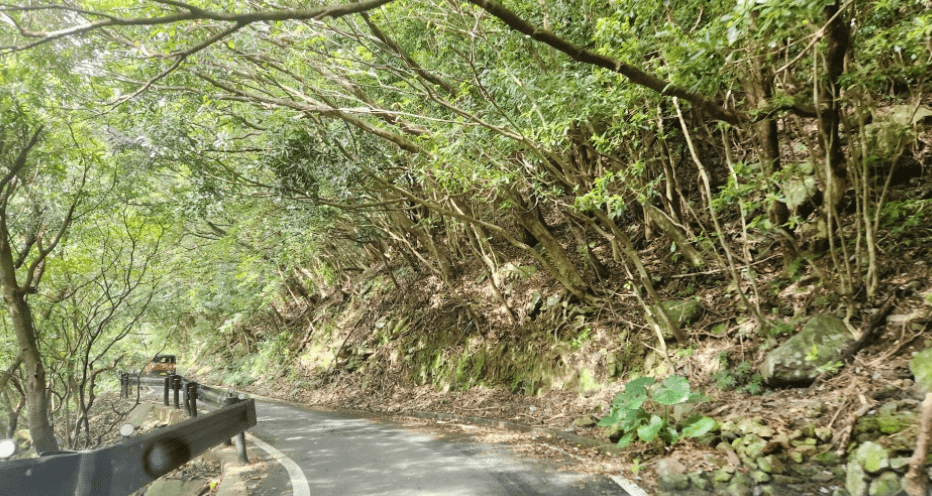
x=742, y=377
x=633, y=411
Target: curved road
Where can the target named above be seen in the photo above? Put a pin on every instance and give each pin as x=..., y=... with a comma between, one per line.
x=335, y=454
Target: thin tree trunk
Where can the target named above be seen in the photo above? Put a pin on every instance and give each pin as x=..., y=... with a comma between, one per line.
x=559, y=263
x=916, y=477
x=838, y=37
x=43, y=435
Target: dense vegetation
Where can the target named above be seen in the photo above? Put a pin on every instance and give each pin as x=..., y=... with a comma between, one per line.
x=173, y=172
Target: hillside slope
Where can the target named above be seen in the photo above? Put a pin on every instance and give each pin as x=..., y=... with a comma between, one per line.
x=532, y=353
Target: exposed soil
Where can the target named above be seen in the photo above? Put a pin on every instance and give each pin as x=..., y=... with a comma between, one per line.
x=878, y=372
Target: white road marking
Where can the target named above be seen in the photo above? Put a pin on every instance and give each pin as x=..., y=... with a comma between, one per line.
x=298, y=480
x=629, y=486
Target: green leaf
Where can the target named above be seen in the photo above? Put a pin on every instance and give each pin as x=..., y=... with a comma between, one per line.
x=638, y=386
x=610, y=420
x=673, y=390
x=631, y=418
x=698, y=425
x=670, y=435
x=626, y=439
x=649, y=433
x=635, y=402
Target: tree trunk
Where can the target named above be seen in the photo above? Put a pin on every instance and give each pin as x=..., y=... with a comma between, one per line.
x=838, y=37
x=916, y=477
x=43, y=435
x=558, y=262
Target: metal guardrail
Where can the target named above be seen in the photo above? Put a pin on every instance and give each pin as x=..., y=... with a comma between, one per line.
x=122, y=469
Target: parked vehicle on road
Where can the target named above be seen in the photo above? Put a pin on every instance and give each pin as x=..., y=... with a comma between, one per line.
x=160, y=365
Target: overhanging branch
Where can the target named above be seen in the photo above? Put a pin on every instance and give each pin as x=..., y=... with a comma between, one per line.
x=580, y=54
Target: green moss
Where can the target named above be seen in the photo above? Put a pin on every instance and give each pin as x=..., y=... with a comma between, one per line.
x=828, y=458
x=886, y=424
x=587, y=382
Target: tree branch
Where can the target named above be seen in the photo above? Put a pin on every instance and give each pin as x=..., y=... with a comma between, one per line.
x=579, y=54
x=192, y=14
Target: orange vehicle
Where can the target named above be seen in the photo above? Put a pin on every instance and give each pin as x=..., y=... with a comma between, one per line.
x=160, y=365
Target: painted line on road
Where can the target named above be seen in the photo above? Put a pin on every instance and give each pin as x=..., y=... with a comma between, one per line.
x=630, y=487
x=299, y=485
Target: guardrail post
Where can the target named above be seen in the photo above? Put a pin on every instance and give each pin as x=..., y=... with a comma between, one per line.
x=124, y=385
x=228, y=400
x=239, y=439
x=192, y=399
x=168, y=385
x=176, y=386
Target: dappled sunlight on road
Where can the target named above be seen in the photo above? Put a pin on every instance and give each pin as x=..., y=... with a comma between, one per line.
x=342, y=454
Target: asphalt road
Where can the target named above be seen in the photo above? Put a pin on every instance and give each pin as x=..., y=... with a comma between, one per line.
x=338, y=454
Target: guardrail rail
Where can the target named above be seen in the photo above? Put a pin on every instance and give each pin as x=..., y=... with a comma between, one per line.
x=122, y=469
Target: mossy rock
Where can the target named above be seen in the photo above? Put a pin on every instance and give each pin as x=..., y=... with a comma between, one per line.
x=828, y=458
x=855, y=479
x=796, y=362
x=887, y=484
x=682, y=312
x=886, y=424
x=921, y=367
x=872, y=457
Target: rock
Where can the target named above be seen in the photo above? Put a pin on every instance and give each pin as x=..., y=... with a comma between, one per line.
x=872, y=457
x=770, y=464
x=760, y=477
x=824, y=434
x=721, y=476
x=799, y=190
x=751, y=446
x=856, y=479
x=698, y=481
x=671, y=475
x=822, y=476
x=673, y=482
x=669, y=466
x=888, y=408
x=816, y=410
x=729, y=430
x=725, y=448
x=682, y=311
x=887, y=484
x=806, y=471
x=807, y=430
x=921, y=367
x=785, y=480
x=796, y=361
x=740, y=485
x=808, y=442
x=752, y=426
x=828, y=458
x=900, y=463
x=586, y=421
x=887, y=424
